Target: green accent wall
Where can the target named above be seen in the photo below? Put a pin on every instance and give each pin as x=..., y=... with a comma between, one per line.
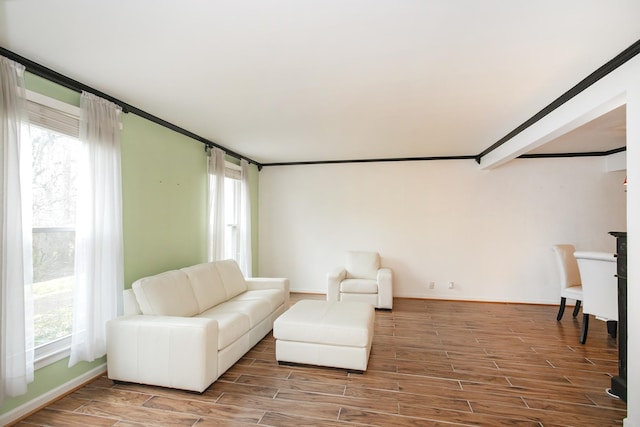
x=254, y=189
x=49, y=378
x=52, y=90
x=164, y=198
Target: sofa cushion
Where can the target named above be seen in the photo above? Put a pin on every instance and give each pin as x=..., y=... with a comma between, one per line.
x=275, y=297
x=166, y=294
x=359, y=286
x=232, y=277
x=256, y=310
x=207, y=285
x=362, y=265
x=231, y=326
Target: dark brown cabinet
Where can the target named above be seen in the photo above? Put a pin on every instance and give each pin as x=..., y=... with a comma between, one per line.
x=619, y=382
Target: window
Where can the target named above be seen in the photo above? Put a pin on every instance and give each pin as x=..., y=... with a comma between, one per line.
x=53, y=135
x=232, y=212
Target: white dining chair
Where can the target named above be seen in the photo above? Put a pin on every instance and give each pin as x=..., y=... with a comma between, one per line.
x=599, y=290
x=570, y=283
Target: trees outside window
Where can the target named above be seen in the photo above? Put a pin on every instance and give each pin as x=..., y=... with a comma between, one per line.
x=54, y=172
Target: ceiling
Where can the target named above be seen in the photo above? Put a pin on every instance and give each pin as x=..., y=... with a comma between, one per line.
x=322, y=80
x=606, y=133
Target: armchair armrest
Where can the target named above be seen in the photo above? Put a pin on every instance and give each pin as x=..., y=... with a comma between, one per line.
x=334, y=278
x=385, y=288
x=168, y=351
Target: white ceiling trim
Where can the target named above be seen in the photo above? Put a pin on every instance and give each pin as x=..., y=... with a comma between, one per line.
x=603, y=96
x=563, y=120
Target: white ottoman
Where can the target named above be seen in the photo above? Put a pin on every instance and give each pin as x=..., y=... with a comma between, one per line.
x=326, y=333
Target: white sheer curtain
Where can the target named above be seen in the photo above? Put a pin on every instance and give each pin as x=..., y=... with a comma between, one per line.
x=99, y=271
x=245, y=220
x=16, y=308
x=215, y=211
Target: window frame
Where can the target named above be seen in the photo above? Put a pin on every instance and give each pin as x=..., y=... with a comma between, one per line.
x=60, y=117
x=234, y=172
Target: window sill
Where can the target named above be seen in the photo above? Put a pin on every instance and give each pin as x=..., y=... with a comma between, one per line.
x=52, y=352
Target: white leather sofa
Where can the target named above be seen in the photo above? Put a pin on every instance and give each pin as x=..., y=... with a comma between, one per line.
x=184, y=328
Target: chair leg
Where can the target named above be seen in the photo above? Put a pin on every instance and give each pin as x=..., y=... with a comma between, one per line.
x=563, y=302
x=576, y=309
x=585, y=328
x=612, y=328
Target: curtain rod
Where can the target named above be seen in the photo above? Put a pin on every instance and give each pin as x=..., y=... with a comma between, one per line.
x=591, y=79
x=69, y=83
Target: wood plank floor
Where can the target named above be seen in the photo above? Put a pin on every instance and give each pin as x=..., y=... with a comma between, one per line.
x=433, y=363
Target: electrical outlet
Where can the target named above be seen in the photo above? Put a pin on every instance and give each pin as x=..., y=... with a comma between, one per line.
x=450, y=285
x=432, y=285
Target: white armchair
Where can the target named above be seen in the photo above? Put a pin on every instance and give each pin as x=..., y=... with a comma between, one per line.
x=599, y=290
x=361, y=279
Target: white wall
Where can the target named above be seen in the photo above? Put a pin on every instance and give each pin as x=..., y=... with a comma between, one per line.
x=488, y=231
x=621, y=85
x=633, y=259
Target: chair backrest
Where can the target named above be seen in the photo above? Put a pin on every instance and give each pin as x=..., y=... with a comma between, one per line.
x=599, y=284
x=362, y=265
x=568, y=266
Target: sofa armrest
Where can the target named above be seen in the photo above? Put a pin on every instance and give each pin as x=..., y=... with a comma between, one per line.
x=334, y=277
x=168, y=351
x=385, y=288
x=257, y=283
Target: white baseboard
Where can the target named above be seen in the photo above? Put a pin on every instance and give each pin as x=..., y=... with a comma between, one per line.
x=50, y=396
x=448, y=297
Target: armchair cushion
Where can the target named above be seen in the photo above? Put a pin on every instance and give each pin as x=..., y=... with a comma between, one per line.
x=362, y=265
x=359, y=286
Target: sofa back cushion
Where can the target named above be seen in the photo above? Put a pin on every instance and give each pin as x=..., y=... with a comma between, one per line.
x=362, y=265
x=130, y=303
x=232, y=277
x=166, y=294
x=207, y=285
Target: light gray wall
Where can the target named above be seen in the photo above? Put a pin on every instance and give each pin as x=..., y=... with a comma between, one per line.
x=488, y=231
